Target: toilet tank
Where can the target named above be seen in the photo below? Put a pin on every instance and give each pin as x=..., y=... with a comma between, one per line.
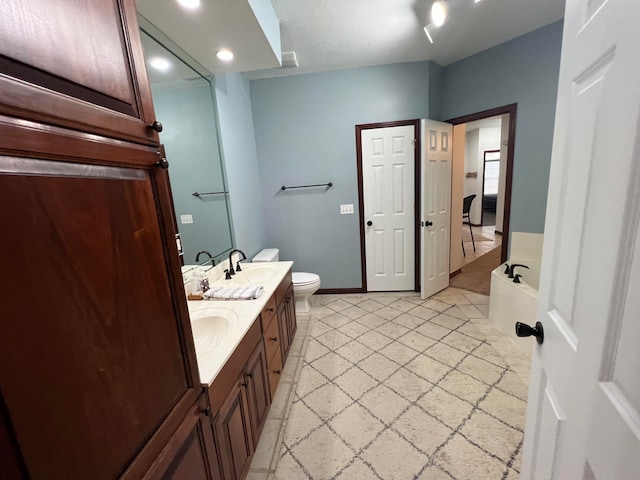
x=267, y=255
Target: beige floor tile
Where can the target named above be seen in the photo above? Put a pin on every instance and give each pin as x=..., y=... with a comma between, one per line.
x=356, y=426
x=467, y=462
x=267, y=445
x=447, y=408
x=314, y=450
x=392, y=457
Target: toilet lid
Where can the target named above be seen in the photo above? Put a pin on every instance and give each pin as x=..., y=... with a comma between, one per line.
x=304, y=278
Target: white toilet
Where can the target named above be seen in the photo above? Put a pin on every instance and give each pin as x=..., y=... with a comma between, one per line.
x=304, y=284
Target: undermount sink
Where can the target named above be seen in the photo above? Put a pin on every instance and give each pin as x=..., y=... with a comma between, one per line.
x=254, y=275
x=210, y=326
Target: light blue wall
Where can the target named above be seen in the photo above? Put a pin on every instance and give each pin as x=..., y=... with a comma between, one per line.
x=523, y=71
x=305, y=134
x=191, y=145
x=241, y=162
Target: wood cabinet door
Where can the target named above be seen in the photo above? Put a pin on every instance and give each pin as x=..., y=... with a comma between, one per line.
x=258, y=394
x=232, y=428
x=76, y=64
x=283, y=323
x=292, y=323
x=97, y=364
x=191, y=453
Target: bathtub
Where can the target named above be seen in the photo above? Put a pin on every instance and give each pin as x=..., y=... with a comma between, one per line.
x=515, y=302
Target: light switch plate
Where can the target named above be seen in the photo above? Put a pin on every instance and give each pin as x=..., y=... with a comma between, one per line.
x=346, y=209
x=186, y=219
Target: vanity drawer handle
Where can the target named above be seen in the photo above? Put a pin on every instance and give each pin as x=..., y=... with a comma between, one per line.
x=250, y=374
x=271, y=309
x=277, y=372
x=274, y=339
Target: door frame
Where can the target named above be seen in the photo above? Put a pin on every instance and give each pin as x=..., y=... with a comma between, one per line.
x=416, y=194
x=512, y=110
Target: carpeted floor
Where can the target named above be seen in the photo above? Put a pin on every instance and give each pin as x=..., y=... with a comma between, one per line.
x=400, y=388
x=476, y=276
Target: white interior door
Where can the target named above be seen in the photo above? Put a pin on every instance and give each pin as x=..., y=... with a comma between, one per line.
x=388, y=171
x=435, y=224
x=584, y=400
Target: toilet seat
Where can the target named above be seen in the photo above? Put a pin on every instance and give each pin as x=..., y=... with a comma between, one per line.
x=301, y=279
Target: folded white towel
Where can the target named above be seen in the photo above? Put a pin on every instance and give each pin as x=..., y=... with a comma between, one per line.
x=233, y=293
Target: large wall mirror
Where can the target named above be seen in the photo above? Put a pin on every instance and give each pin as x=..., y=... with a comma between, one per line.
x=184, y=101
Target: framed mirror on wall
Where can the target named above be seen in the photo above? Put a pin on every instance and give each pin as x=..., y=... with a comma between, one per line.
x=184, y=101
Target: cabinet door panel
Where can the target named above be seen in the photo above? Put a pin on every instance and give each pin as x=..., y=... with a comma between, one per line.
x=191, y=452
x=93, y=358
x=292, y=324
x=283, y=324
x=77, y=64
x=233, y=433
x=258, y=392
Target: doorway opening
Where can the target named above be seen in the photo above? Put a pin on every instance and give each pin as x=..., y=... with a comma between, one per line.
x=487, y=174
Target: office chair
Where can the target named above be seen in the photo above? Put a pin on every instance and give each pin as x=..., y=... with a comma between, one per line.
x=466, y=208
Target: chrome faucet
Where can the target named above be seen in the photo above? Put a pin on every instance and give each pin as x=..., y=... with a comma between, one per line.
x=513, y=267
x=238, y=269
x=213, y=262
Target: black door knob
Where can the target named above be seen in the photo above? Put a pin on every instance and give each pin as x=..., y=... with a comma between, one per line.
x=524, y=330
x=369, y=223
x=157, y=126
x=428, y=223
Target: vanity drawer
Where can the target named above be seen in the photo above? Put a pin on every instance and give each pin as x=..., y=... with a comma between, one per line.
x=275, y=371
x=268, y=313
x=271, y=338
x=281, y=291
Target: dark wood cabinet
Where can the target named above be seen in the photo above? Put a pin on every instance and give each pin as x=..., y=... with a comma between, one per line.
x=191, y=453
x=232, y=428
x=287, y=321
x=76, y=64
x=258, y=393
x=98, y=373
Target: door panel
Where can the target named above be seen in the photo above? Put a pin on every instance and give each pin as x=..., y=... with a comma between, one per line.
x=584, y=406
x=258, y=395
x=388, y=190
x=49, y=75
x=436, y=207
x=233, y=433
x=92, y=369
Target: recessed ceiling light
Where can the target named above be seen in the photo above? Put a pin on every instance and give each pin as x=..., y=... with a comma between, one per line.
x=225, y=54
x=189, y=3
x=428, y=34
x=438, y=13
x=159, y=63
x=476, y=1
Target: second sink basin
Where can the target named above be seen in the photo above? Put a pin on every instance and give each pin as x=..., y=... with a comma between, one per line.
x=210, y=326
x=257, y=275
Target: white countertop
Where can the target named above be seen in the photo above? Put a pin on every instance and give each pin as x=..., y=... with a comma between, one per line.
x=210, y=364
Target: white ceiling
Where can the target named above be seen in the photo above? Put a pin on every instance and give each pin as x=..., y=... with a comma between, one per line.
x=334, y=34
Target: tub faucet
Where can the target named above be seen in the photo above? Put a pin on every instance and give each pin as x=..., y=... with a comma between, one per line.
x=238, y=269
x=213, y=262
x=513, y=267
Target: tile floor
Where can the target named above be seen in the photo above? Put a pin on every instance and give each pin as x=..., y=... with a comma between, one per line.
x=387, y=386
x=485, y=238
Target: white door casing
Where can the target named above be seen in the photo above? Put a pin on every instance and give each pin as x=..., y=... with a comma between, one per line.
x=388, y=172
x=583, y=419
x=435, y=222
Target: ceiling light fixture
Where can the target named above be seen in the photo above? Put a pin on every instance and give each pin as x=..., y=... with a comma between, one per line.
x=225, y=54
x=426, y=30
x=159, y=63
x=189, y=3
x=438, y=13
